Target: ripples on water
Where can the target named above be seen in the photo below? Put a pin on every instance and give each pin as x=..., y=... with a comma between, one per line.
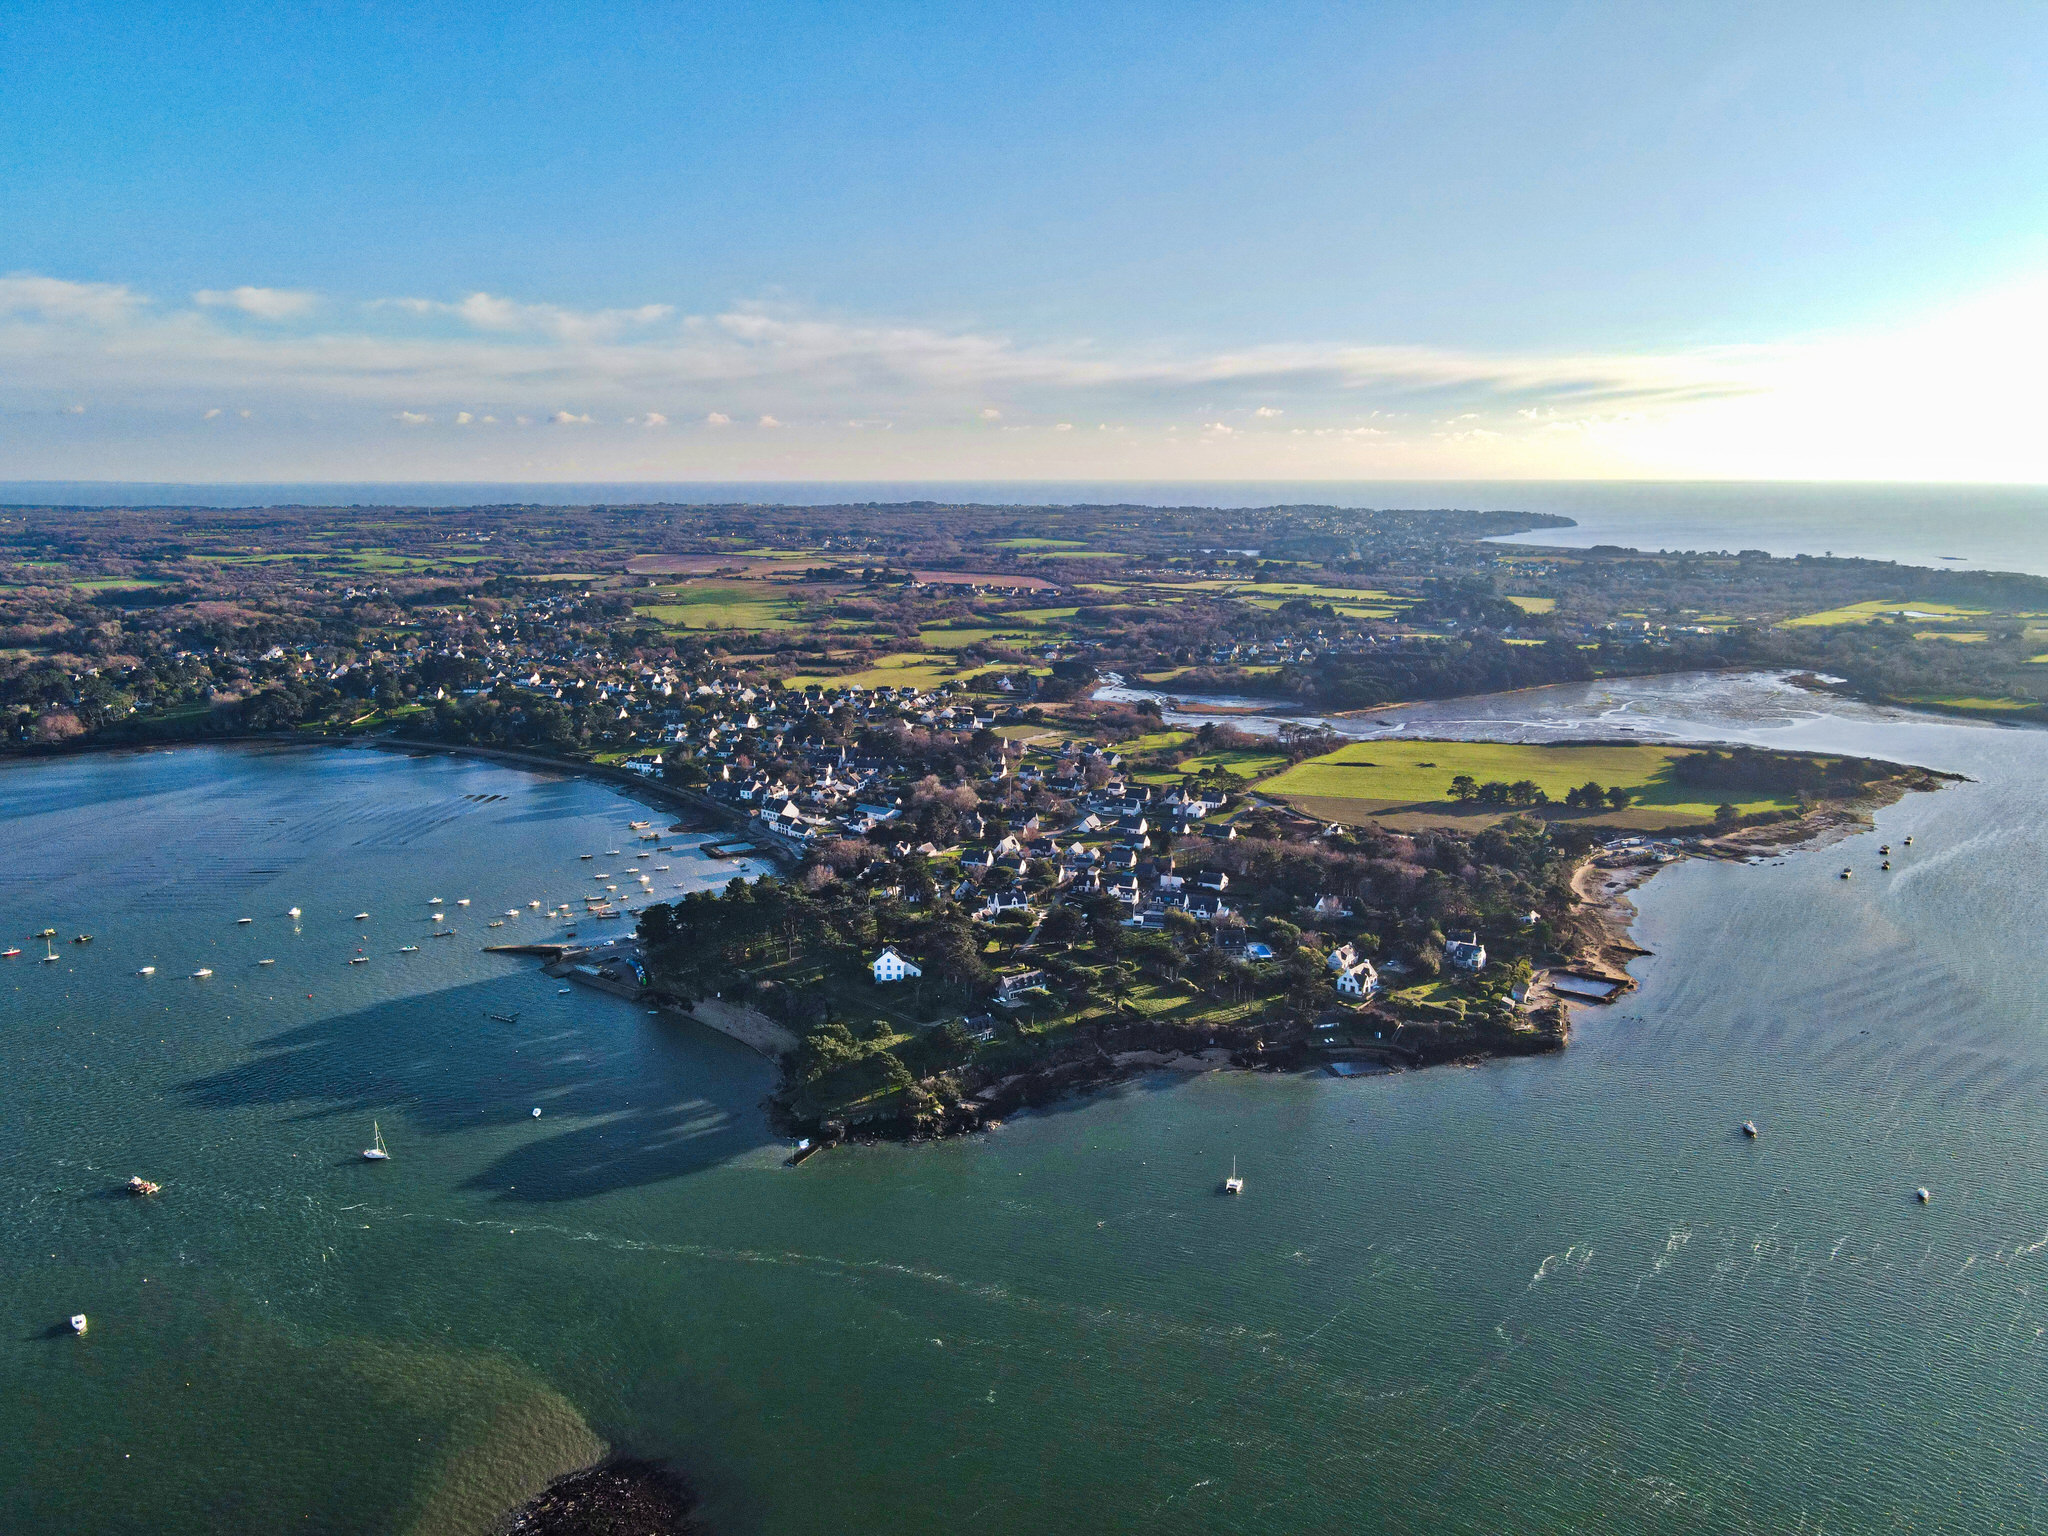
x=1551, y=1295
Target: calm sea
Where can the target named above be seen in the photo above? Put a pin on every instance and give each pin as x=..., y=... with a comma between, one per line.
x=1967, y=527
x=1545, y=1296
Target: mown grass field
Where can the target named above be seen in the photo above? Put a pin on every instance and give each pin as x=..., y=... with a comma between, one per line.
x=1534, y=604
x=710, y=606
x=1864, y=613
x=1381, y=779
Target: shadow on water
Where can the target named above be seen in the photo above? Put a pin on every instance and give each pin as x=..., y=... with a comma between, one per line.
x=627, y=1100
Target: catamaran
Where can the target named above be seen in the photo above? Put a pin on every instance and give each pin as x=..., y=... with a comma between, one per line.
x=376, y=1152
x=1233, y=1185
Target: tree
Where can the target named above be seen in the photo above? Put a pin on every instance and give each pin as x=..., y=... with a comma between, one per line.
x=1726, y=815
x=1526, y=792
x=1619, y=797
x=1464, y=788
x=1062, y=926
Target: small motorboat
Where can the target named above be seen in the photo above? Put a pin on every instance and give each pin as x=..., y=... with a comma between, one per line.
x=495, y=923
x=445, y=933
x=78, y=1324
x=47, y=933
x=83, y=938
x=147, y=970
x=462, y=901
x=1884, y=847
x=376, y=1152
x=201, y=974
x=1909, y=842
x=1848, y=874
x=586, y=855
x=536, y=1112
x=292, y=913
x=503, y=1018
x=362, y=917
x=511, y=911
x=533, y=906
x=360, y=960
x=266, y=962
x=1887, y=864
x=138, y=1185
x=9, y=954
x=1749, y=1129
x=639, y=826
x=563, y=991
x=611, y=853
x=241, y=922
x=433, y=901
x=1923, y=1194
x=408, y=949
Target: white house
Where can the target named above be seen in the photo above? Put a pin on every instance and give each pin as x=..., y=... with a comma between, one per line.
x=1467, y=954
x=890, y=966
x=1358, y=980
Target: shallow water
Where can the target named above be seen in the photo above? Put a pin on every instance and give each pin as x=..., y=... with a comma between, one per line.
x=1557, y=1295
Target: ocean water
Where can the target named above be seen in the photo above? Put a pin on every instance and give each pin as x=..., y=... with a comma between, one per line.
x=1965, y=527
x=1559, y=1295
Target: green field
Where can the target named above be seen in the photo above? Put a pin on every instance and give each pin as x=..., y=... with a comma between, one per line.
x=1375, y=779
x=898, y=671
x=721, y=607
x=1863, y=613
x=1534, y=604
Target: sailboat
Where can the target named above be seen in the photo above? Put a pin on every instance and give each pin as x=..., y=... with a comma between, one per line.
x=376, y=1152
x=1233, y=1185
x=51, y=957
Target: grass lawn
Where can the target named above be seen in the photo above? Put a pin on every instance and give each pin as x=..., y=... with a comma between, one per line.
x=720, y=607
x=1976, y=705
x=903, y=670
x=117, y=584
x=1252, y=764
x=1534, y=604
x=1863, y=613
x=1379, y=779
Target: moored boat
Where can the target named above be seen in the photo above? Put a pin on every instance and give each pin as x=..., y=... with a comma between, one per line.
x=78, y=1323
x=138, y=1185
x=376, y=1152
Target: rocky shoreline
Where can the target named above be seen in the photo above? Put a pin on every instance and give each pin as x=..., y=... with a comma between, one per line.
x=624, y=1496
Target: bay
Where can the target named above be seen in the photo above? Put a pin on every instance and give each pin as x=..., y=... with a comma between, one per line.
x=1556, y=1295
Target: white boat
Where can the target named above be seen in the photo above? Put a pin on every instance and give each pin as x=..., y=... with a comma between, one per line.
x=147, y=970
x=1233, y=1185
x=362, y=917
x=563, y=991
x=611, y=853
x=292, y=913
x=462, y=901
x=266, y=962
x=51, y=957
x=494, y=923
x=360, y=960
x=511, y=911
x=586, y=855
x=408, y=949
x=639, y=826
x=78, y=1323
x=376, y=1152
x=536, y=1112
x=241, y=920
x=201, y=974
x=533, y=905
x=1749, y=1129
x=1923, y=1194
x=433, y=901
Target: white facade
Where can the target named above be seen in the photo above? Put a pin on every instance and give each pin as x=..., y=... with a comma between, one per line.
x=1359, y=980
x=890, y=966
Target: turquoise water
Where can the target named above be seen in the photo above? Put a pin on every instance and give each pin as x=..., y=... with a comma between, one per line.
x=1557, y=1295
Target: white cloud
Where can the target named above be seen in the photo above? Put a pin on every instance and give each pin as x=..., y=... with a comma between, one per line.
x=74, y=410
x=654, y=419
x=1063, y=426
x=1218, y=429
x=770, y=421
x=569, y=419
x=51, y=298
x=263, y=303
x=1953, y=396
x=414, y=418
x=211, y=414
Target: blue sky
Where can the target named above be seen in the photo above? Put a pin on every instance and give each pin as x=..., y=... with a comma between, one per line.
x=1008, y=242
